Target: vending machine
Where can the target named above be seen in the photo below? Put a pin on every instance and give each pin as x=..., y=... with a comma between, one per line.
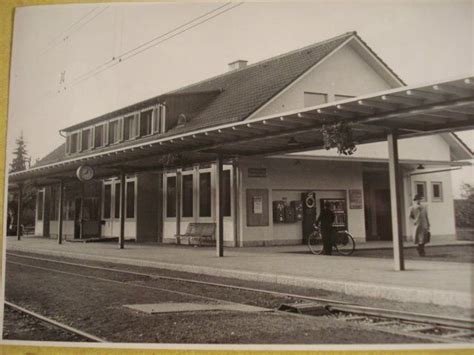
x=309, y=213
x=338, y=207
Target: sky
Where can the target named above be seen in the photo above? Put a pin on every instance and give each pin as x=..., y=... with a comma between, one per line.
x=53, y=46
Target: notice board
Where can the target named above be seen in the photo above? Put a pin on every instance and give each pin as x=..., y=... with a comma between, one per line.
x=355, y=199
x=257, y=207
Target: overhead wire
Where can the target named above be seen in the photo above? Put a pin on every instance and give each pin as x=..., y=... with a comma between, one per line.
x=65, y=34
x=145, y=43
x=152, y=43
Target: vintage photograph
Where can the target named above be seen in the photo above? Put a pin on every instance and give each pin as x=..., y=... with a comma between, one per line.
x=241, y=173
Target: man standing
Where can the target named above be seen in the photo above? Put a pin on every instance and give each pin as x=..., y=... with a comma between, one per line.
x=421, y=223
x=326, y=219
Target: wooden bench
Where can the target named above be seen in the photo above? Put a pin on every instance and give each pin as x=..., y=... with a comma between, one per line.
x=198, y=234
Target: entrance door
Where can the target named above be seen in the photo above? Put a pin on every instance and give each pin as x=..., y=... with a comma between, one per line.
x=111, y=209
x=383, y=214
x=77, y=218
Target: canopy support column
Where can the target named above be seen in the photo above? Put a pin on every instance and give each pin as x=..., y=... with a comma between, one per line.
x=19, y=211
x=82, y=211
x=178, y=201
x=122, y=210
x=60, y=212
x=235, y=205
x=396, y=192
x=220, y=207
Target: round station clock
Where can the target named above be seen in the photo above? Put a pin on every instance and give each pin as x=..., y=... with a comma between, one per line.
x=85, y=173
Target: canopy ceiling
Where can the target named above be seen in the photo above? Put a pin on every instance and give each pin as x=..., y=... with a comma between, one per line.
x=412, y=111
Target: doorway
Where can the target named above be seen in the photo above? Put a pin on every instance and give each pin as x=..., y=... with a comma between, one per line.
x=78, y=218
x=383, y=214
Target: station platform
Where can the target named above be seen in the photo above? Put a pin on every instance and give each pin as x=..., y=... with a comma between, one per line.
x=442, y=283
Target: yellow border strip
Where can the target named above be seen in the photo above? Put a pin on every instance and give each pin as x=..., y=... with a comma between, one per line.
x=7, y=8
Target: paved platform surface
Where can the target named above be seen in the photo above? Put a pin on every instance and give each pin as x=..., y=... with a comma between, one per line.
x=442, y=283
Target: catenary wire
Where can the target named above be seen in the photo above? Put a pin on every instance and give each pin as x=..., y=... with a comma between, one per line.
x=121, y=58
x=77, y=79
x=65, y=35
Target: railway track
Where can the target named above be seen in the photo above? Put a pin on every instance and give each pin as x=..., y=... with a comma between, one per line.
x=59, y=325
x=417, y=325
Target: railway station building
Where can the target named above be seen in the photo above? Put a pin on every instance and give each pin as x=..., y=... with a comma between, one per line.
x=242, y=151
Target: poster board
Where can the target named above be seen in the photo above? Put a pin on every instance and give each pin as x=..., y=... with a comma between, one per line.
x=257, y=207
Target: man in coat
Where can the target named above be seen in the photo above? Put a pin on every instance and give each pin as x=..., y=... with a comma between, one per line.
x=326, y=218
x=421, y=223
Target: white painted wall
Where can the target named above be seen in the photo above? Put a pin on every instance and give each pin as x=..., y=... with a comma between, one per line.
x=286, y=178
x=169, y=224
x=433, y=148
x=342, y=73
x=440, y=214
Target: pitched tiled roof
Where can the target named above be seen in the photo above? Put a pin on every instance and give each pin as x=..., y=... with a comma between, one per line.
x=243, y=91
x=247, y=89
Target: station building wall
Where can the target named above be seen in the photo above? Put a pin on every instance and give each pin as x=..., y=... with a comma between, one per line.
x=440, y=210
x=194, y=173
x=344, y=72
x=288, y=179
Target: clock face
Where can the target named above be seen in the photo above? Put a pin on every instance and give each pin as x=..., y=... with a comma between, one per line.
x=85, y=173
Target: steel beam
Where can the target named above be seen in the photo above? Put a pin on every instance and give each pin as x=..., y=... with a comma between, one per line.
x=60, y=212
x=396, y=192
x=178, y=201
x=220, y=207
x=122, y=210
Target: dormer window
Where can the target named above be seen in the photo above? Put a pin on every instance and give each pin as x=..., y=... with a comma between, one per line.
x=159, y=119
x=73, y=143
x=130, y=127
x=114, y=132
x=145, y=122
x=86, y=139
x=99, y=133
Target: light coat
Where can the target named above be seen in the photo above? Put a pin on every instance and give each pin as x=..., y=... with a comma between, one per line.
x=421, y=223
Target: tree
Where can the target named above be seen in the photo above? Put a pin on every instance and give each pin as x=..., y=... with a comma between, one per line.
x=20, y=162
x=20, y=156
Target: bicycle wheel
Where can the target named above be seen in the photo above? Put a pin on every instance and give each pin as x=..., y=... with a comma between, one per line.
x=344, y=243
x=315, y=243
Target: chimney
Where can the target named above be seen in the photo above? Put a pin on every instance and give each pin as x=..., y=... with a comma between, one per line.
x=238, y=64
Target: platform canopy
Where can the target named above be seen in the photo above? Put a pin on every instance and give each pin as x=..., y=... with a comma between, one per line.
x=410, y=111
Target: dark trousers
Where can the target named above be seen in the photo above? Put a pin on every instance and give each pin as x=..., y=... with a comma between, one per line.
x=327, y=244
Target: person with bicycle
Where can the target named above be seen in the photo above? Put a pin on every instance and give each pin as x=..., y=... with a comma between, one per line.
x=326, y=220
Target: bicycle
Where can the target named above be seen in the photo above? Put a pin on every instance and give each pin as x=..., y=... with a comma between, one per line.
x=342, y=241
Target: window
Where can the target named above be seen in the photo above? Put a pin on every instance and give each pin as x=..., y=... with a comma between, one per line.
x=117, y=201
x=420, y=188
x=145, y=122
x=107, y=200
x=99, y=133
x=40, y=205
x=342, y=97
x=314, y=99
x=171, y=196
x=130, y=199
x=187, y=195
x=437, y=192
x=114, y=131
x=91, y=208
x=226, y=189
x=54, y=206
x=130, y=127
x=86, y=139
x=158, y=118
x=205, y=195
x=74, y=143
x=68, y=212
